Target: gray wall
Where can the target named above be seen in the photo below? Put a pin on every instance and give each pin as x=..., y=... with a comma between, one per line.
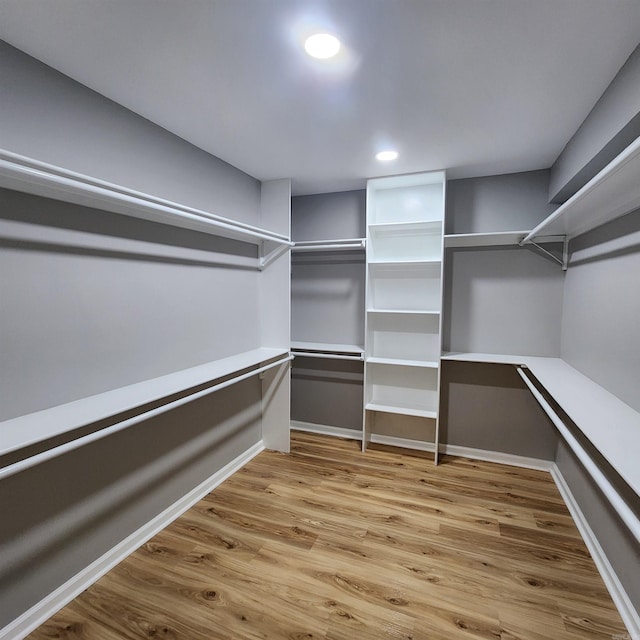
x=612, y=124
x=47, y=116
x=108, y=301
x=90, y=301
x=487, y=406
x=502, y=300
x=601, y=312
x=327, y=392
x=511, y=202
x=329, y=216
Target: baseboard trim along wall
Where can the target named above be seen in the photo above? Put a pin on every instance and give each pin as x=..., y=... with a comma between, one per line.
x=43, y=610
x=497, y=456
x=628, y=613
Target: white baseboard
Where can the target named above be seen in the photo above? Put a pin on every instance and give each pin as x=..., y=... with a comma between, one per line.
x=48, y=606
x=628, y=613
x=497, y=456
x=326, y=430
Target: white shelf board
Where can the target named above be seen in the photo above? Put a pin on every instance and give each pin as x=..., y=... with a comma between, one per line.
x=413, y=312
x=610, y=194
x=427, y=364
x=39, y=178
x=495, y=239
x=41, y=425
x=404, y=263
x=490, y=358
x=611, y=425
x=343, y=244
x=383, y=227
x=327, y=347
x=402, y=410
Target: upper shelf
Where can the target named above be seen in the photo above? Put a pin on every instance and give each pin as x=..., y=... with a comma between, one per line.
x=610, y=194
x=494, y=239
x=32, y=176
x=343, y=244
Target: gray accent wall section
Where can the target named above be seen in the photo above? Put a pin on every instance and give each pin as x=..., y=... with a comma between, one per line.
x=612, y=124
x=327, y=392
x=511, y=202
x=47, y=116
x=619, y=545
x=329, y=216
x=502, y=300
x=601, y=310
x=487, y=406
x=99, y=301
x=67, y=512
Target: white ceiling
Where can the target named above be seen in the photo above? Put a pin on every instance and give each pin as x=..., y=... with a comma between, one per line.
x=474, y=86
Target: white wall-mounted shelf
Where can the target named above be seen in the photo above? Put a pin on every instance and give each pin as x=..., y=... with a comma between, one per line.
x=328, y=348
x=495, y=239
x=401, y=362
x=413, y=312
x=610, y=194
x=39, y=178
x=32, y=428
x=343, y=244
x=404, y=410
x=611, y=425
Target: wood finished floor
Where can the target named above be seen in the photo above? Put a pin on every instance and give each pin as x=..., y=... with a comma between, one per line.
x=328, y=543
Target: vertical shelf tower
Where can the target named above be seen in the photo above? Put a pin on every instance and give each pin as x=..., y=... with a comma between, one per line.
x=405, y=233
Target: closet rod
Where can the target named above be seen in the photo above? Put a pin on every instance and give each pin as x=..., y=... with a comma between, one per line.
x=39, y=458
x=329, y=356
x=47, y=180
x=621, y=507
x=341, y=242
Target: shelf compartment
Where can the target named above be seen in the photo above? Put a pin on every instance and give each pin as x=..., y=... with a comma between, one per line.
x=405, y=411
x=407, y=198
x=413, y=287
x=401, y=242
x=405, y=389
x=406, y=337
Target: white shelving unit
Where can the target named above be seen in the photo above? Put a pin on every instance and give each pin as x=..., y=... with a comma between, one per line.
x=405, y=217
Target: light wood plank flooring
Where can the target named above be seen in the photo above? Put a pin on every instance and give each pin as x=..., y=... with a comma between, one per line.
x=328, y=543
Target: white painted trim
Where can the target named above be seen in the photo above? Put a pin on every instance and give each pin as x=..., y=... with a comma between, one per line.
x=48, y=606
x=498, y=457
x=326, y=430
x=628, y=613
x=404, y=443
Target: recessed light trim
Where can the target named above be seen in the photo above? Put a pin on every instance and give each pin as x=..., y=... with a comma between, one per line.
x=387, y=156
x=322, y=46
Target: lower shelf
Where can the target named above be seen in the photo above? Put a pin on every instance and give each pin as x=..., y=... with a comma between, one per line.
x=402, y=410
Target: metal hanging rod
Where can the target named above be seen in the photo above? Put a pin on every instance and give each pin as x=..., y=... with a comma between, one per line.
x=617, y=502
x=32, y=461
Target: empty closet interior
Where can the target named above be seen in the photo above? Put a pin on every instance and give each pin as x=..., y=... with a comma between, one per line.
x=165, y=317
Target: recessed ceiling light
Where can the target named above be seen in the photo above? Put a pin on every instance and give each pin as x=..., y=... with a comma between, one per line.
x=386, y=156
x=322, y=45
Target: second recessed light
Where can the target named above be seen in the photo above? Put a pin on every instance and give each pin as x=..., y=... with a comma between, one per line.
x=322, y=45
x=386, y=156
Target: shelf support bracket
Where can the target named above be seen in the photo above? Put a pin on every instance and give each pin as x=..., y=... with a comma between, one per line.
x=564, y=261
